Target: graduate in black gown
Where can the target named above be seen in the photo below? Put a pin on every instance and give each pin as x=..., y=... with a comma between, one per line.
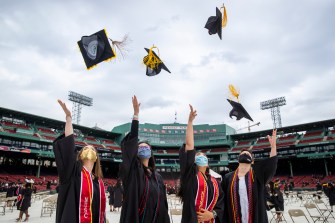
x=144, y=190
x=244, y=188
x=81, y=195
x=329, y=190
x=110, y=190
x=25, y=201
x=201, y=194
x=118, y=195
x=275, y=196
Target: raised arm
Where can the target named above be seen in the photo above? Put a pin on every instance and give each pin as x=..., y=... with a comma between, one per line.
x=68, y=117
x=189, y=130
x=273, y=142
x=266, y=168
x=64, y=149
x=129, y=144
x=134, y=124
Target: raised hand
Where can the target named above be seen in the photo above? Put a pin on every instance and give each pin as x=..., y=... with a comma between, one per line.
x=136, y=105
x=65, y=109
x=272, y=139
x=193, y=114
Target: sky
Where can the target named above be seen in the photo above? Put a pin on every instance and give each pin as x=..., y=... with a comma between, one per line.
x=269, y=49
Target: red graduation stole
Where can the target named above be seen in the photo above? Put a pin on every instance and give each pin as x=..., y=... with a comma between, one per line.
x=201, y=199
x=86, y=198
x=234, y=201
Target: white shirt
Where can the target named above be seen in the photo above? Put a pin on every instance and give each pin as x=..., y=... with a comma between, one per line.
x=242, y=190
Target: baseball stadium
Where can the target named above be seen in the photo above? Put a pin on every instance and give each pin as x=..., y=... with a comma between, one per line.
x=306, y=157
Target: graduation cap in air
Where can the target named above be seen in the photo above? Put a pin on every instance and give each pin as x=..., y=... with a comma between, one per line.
x=215, y=24
x=153, y=63
x=238, y=110
x=96, y=48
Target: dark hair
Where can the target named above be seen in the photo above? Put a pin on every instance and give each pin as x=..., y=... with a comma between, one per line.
x=249, y=151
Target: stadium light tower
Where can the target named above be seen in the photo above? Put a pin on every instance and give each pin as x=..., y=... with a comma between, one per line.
x=78, y=102
x=274, y=105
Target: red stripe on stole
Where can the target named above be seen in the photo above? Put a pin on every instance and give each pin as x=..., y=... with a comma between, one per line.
x=201, y=200
x=85, y=198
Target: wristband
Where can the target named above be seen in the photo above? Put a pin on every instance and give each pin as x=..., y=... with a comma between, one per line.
x=135, y=116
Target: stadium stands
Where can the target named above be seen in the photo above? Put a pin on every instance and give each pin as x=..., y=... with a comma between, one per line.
x=306, y=146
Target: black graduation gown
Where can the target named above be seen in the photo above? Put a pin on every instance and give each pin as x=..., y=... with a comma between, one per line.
x=111, y=195
x=69, y=172
x=10, y=191
x=188, y=171
x=330, y=193
x=263, y=172
x=133, y=178
x=118, y=196
x=26, y=199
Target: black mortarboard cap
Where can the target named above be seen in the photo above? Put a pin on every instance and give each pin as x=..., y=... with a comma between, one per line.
x=96, y=48
x=238, y=111
x=156, y=66
x=214, y=24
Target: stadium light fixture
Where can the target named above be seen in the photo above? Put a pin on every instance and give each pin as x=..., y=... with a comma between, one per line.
x=274, y=105
x=78, y=100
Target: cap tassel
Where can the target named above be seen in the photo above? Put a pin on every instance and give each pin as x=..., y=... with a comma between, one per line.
x=121, y=46
x=151, y=60
x=225, y=19
x=234, y=91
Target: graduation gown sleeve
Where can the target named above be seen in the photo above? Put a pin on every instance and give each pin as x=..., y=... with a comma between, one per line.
x=188, y=183
x=65, y=156
x=131, y=176
x=129, y=146
x=265, y=169
x=187, y=165
x=69, y=170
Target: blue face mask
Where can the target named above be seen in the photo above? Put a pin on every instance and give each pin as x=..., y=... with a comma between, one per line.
x=201, y=160
x=144, y=152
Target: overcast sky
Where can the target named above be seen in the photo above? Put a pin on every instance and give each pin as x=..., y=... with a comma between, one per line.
x=269, y=49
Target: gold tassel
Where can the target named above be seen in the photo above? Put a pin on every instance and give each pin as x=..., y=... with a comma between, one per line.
x=225, y=19
x=151, y=60
x=234, y=91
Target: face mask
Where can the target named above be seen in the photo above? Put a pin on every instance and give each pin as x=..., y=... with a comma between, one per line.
x=89, y=154
x=144, y=152
x=201, y=160
x=244, y=158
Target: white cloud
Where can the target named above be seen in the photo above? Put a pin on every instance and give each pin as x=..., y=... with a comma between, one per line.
x=268, y=50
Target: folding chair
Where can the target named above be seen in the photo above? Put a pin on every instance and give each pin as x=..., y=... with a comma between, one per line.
x=275, y=214
x=324, y=211
x=3, y=205
x=297, y=213
x=315, y=217
x=300, y=198
x=175, y=211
